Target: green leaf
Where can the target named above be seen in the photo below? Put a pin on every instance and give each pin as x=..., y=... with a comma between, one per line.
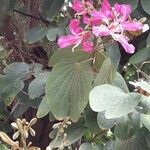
x=18, y=69
x=106, y=73
x=51, y=7
x=3, y=147
x=54, y=32
x=10, y=86
x=103, y=122
x=89, y=146
x=145, y=119
x=137, y=142
x=43, y=109
x=145, y=104
x=67, y=53
x=146, y=5
x=133, y=3
x=113, y=101
x=35, y=34
x=85, y=146
x=140, y=56
x=126, y=126
x=120, y=82
x=74, y=133
x=37, y=86
x=114, y=53
x=67, y=88
x=99, y=59
x=91, y=120
x=148, y=41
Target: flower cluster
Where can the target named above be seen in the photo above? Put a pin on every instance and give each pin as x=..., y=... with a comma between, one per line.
x=109, y=21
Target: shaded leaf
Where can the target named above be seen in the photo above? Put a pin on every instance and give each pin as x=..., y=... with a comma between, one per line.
x=37, y=86
x=106, y=73
x=140, y=56
x=146, y=5
x=85, y=146
x=18, y=69
x=51, y=7
x=114, y=53
x=120, y=82
x=54, y=32
x=137, y=142
x=67, y=89
x=126, y=126
x=103, y=122
x=9, y=87
x=67, y=53
x=43, y=109
x=35, y=34
x=91, y=120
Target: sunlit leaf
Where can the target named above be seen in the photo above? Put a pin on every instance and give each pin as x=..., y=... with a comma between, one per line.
x=113, y=101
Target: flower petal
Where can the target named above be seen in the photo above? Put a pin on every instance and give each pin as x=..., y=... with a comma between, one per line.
x=123, y=10
x=129, y=48
x=105, y=6
x=87, y=46
x=101, y=30
x=132, y=26
x=77, y=6
x=75, y=29
x=68, y=40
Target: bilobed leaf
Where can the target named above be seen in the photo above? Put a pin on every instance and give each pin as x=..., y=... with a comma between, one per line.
x=126, y=126
x=18, y=69
x=43, y=109
x=113, y=101
x=103, y=122
x=9, y=87
x=146, y=5
x=67, y=53
x=37, y=86
x=67, y=88
x=106, y=73
x=137, y=142
x=35, y=34
x=140, y=56
x=53, y=32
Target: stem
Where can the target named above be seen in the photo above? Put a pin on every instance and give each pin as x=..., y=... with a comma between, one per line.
x=37, y=18
x=23, y=140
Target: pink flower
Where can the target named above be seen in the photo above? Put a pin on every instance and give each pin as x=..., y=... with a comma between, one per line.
x=114, y=22
x=82, y=7
x=79, y=36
